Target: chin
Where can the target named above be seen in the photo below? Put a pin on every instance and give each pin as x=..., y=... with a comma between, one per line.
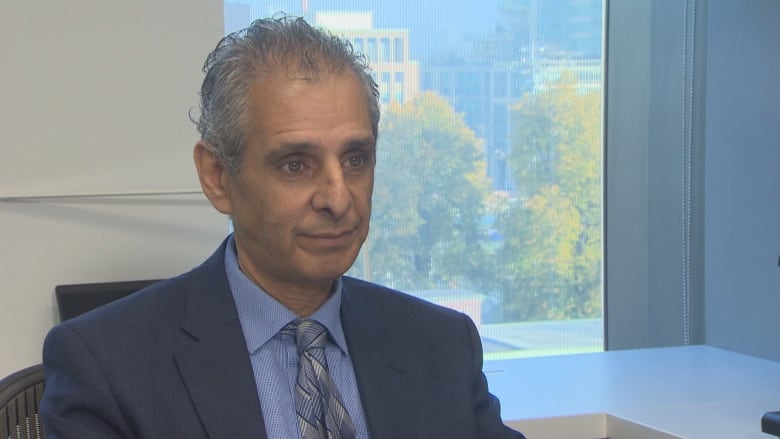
x=330, y=271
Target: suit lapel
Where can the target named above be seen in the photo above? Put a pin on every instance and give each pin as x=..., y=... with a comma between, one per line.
x=212, y=357
x=386, y=392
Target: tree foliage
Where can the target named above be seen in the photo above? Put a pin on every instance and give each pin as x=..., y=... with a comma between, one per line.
x=436, y=224
x=430, y=184
x=551, y=256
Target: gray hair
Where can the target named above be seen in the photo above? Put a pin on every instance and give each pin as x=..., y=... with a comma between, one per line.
x=267, y=45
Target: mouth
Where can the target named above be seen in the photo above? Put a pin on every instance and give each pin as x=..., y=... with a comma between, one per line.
x=331, y=238
x=332, y=234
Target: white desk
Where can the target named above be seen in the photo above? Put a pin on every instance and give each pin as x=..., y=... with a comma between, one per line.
x=695, y=392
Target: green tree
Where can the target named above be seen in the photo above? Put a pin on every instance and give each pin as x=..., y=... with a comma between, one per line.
x=430, y=186
x=552, y=252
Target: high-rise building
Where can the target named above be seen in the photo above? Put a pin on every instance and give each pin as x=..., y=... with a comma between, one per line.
x=533, y=43
x=386, y=49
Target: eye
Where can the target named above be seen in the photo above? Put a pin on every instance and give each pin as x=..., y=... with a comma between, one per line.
x=356, y=161
x=293, y=166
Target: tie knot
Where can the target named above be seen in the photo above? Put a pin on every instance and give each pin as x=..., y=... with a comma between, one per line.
x=308, y=334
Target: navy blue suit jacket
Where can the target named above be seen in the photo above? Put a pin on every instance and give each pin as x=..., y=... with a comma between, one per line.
x=170, y=361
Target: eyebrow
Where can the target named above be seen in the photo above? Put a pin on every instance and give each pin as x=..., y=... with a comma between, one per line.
x=304, y=147
x=292, y=148
x=365, y=142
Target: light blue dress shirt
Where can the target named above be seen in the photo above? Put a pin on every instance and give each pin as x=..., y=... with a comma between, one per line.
x=274, y=357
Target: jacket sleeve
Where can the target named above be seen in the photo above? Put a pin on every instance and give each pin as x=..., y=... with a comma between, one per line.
x=77, y=400
x=487, y=409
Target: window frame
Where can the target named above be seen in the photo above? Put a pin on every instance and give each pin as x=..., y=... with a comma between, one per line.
x=645, y=261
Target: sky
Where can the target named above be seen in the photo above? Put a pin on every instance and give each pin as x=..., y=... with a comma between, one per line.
x=434, y=25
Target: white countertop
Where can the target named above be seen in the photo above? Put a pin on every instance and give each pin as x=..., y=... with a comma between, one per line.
x=694, y=392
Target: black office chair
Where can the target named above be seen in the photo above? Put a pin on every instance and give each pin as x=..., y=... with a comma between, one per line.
x=20, y=394
x=770, y=423
x=76, y=299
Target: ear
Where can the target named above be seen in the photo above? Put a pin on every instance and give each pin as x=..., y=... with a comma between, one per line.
x=213, y=177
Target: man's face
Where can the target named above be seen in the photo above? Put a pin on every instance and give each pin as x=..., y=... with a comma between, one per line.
x=301, y=202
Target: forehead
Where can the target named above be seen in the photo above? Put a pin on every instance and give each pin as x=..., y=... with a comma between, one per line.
x=283, y=73
x=327, y=105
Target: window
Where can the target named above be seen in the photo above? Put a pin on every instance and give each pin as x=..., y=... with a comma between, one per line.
x=371, y=50
x=488, y=194
x=384, y=52
x=398, y=86
x=358, y=44
x=384, y=88
x=398, y=50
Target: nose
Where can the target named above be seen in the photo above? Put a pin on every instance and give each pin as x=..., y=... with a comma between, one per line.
x=332, y=195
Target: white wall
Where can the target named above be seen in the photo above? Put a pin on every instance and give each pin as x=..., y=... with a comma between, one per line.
x=95, y=98
x=742, y=183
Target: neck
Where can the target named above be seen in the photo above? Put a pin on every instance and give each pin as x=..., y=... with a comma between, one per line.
x=302, y=299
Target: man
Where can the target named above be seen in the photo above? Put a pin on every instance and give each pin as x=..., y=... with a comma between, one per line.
x=288, y=124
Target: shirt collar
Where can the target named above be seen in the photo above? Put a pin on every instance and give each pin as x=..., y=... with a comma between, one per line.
x=262, y=316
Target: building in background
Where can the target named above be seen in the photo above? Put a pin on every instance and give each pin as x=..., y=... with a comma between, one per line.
x=386, y=49
x=534, y=42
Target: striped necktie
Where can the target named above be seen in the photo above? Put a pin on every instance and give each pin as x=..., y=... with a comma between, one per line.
x=318, y=404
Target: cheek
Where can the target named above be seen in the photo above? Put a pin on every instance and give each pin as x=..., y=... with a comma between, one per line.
x=365, y=193
x=255, y=210
x=363, y=203
x=283, y=215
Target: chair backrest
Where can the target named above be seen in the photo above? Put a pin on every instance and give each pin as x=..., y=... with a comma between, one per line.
x=76, y=299
x=770, y=423
x=20, y=394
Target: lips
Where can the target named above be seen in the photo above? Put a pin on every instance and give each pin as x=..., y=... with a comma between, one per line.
x=331, y=239
x=336, y=234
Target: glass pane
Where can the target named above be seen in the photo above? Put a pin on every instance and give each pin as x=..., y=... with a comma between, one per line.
x=488, y=194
